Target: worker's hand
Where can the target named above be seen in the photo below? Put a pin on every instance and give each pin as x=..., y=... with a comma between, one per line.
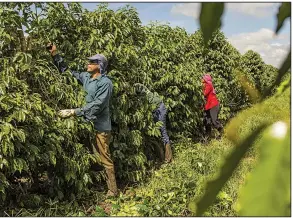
x=52, y=48
x=66, y=113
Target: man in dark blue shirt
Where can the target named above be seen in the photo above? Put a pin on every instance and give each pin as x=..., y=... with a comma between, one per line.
x=97, y=109
x=159, y=114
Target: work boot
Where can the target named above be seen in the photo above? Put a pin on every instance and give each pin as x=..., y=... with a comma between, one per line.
x=111, y=183
x=168, y=153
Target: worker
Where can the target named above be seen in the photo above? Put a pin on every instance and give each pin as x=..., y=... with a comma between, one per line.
x=211, y=107
x=159, y=114
x=97, y=109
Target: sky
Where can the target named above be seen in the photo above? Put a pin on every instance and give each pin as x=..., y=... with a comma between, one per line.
x=247, y=26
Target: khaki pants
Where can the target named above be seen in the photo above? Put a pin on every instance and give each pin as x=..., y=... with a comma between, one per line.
x=102, y=147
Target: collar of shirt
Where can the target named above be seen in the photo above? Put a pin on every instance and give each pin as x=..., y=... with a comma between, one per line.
x=97, y=78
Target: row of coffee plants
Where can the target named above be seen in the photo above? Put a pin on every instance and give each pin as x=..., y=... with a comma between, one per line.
x=43, y=154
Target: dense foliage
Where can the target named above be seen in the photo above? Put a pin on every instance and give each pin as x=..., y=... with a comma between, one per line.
x=272, y=140
x=184, y=179
x=52, y=154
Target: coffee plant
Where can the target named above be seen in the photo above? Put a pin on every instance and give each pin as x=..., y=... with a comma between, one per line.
x=259, y=196
x=43, y=154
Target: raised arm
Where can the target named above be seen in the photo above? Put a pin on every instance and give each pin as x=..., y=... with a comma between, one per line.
x=62, y=65
x=152, y=97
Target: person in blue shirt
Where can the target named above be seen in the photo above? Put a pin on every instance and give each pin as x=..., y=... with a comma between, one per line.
x=97, y=109
x=159, y=114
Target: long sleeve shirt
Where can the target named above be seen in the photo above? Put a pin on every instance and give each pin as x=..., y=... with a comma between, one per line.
x=153, y=97
x=210, y=96
x=99, y=92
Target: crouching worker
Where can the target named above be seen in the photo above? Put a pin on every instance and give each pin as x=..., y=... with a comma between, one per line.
x=99, y=90
x=159, y=114
x=212, y=105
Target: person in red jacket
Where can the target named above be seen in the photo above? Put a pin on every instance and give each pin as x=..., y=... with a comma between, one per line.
x=212, y=105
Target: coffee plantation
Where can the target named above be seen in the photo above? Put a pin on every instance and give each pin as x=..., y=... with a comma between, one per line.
x=44, y=156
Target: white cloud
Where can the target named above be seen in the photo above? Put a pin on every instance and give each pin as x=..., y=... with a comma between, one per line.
x=254, y=9
x=263, y=42
x=187, y=9
x=272, y=49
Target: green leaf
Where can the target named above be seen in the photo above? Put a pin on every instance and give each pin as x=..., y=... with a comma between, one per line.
x=210, y=19
x=284, y=12
x=86, y=178
x=6, y=128
x=52, y=157
x=248, y=86
x=267, y=192
x=69, y=123
x=213, y=187
x=282, y=71
x=283, y=87
x=20, y=135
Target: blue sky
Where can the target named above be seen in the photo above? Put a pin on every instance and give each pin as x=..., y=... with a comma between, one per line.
x=246, y=25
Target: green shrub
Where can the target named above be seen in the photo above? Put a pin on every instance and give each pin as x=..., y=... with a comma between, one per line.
x=52, y=154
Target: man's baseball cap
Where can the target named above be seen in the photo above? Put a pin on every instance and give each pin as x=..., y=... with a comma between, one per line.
x=101, y=60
